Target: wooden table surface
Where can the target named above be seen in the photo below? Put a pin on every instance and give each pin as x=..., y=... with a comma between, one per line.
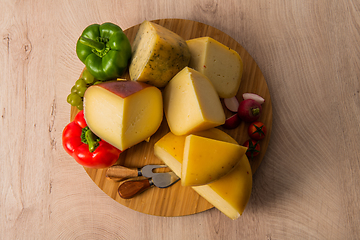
x=308, y=185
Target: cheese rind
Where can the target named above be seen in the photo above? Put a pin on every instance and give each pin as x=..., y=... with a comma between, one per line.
x=123, y=113
x=158, y=54
x=222, y=65
x=231, y=193
x=191, y=103
x=206, y=160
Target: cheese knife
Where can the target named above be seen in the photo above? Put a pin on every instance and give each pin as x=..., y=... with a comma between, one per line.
x=118, y=172
x=130, y=188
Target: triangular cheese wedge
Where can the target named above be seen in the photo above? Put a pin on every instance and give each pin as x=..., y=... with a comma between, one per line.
x=206, y=160
x=222, y=65
x=123, y=113
x=191, y=103
x=231, y=193
x=158, y=54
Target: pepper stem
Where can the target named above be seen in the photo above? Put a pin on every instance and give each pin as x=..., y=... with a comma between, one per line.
x=92, y=140
x=99, y=46
x=89, y=138
x=255, y=111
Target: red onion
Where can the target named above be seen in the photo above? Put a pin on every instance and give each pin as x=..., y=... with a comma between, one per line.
x=249, y=110
x=232, y=104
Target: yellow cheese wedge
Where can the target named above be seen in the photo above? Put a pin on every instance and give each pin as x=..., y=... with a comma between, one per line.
x=191, y=103
x=123, y=113
x=158, y=54
x=206, y=160
x=222, y=65
x=231, y=193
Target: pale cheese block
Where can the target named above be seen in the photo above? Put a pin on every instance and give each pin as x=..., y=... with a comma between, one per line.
x=191, y=103
x=206, y=160
x=123, y=113
x=158, y=54
x=222, y=65
x=231, y=193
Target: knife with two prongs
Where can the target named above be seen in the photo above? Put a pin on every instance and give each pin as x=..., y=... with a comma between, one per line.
x=118, y=172
x=129, y=188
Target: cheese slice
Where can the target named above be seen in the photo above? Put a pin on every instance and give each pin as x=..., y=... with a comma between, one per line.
x=206, y=160
x=229, y=194
x=158, y=54
x=222, y=65
x=123, y=113
x=191, y=103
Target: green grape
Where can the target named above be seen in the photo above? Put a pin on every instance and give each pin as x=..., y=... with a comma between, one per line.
x=81, y=91
x=74, y=99
x=97, y=82
x=80, y=83
x=74, y=89
x=88, y=78
x=80, y=106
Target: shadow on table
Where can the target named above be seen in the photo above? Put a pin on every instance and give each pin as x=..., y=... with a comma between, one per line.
x=278, y=180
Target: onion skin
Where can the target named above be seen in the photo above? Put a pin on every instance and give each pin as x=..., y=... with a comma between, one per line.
x=249, y=110
x=254, y=96
x=232, y=104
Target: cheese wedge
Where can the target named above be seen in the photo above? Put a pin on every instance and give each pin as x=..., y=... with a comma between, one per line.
x=222, y=65
x=158, y=54
x=191, y=103
x=229, y=194
x=123, y=113
x=206, y=160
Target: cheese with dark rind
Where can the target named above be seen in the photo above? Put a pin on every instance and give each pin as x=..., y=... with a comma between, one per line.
x=123, y=113
x=231, y=193
x=191, y=103
x=158, y=54
x=222, y=65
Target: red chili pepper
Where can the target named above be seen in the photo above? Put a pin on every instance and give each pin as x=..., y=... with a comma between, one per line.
x=87, y=149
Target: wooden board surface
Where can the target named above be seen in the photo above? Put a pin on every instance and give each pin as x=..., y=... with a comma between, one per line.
x=308, y=184
x=177, y=200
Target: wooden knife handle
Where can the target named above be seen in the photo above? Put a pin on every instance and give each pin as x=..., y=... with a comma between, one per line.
x=120, y=172
x=129, y=189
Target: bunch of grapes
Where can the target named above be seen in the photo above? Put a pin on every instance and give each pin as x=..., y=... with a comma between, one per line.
x=75, y=98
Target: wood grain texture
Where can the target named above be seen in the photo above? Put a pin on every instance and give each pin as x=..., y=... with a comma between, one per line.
x=308, y=185
x=177, y=200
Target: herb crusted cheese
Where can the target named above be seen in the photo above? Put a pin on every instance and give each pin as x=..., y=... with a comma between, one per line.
x=158, y=54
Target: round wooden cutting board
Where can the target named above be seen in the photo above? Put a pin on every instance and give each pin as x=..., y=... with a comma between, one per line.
x=177, y=200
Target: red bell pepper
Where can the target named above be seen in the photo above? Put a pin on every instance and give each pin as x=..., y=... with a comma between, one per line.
x=87, y=149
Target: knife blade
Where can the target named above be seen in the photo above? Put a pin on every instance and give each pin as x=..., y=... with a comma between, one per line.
x=118, y=172
x=131, y=188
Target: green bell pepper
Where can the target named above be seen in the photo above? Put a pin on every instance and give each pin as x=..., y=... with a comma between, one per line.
x=105, y=50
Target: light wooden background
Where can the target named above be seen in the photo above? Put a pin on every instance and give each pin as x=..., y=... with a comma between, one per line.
x=308, y=186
